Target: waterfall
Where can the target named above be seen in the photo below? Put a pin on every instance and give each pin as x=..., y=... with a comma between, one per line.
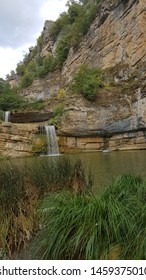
x=53, y=148
x=7, y=116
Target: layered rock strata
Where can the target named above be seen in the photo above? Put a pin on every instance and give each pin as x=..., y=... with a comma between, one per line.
x=117, y=35
x=17, y=139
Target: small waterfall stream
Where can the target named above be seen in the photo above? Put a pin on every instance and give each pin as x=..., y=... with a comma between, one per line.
x=53, y=148
x=7, y=116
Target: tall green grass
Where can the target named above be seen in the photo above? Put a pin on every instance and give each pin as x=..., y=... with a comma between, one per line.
x=22, y=183
x=71, y=222
x=109, y=225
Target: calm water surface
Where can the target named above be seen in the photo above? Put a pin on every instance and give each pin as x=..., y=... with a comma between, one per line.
x=106, y=166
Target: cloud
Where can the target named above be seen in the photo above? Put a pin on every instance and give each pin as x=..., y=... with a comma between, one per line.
x=9, y=58
x=19, y=21
x=53, y=8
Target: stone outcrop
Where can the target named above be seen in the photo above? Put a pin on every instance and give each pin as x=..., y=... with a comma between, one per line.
x=114, y=112
x=30, y=117
x=125, y=141
x=115, y=121
x=43, y=88
x=117, y=35
x=16, y=139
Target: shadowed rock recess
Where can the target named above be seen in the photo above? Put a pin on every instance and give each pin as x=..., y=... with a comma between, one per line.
x=116, y=120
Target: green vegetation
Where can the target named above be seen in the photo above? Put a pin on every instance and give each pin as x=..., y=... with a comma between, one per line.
x=35, y=105
x=48, y=64
x=109, y=225
x=75, y=22
x=87, y=81
x=75, y=223
x=22, y=184
x=26, y=80
x=57, y=112
x=40, y=145
x=62, y=50
x=40, y=42
x=37, y=67
x=58, y=109
x=9, y=99
x=67, y=32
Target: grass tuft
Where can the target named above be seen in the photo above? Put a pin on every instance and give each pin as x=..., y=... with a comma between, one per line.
x=21, y=187
x=109, y=225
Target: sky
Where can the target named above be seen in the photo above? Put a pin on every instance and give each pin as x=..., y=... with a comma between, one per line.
x=21, y=23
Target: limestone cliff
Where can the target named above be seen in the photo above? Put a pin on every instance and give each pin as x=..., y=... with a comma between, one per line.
x=16, y=139
x=117, y=35
x=115, y=42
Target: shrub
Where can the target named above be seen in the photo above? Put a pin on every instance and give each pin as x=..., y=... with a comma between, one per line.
x=20, y=69
x=10, y=101
x=74, y=10
x=26, y=80
x=45, y=65
x=62, y=50
x=40, y=42
x=22, y=184
x=87, y=81
x=49, y=63
x=41, y=72
x=58, y=110
x=61, y=93
x=40, y=145
x=58, y=25
x=110, y=225
x=37, y=104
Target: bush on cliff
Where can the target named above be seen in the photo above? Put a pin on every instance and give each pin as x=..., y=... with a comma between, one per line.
x=9, y=99
x=67, y=32
x=87, y=81
x=26, y=80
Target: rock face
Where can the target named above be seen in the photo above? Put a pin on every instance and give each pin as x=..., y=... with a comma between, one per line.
x=30, y=117
x=43, y=88
x=117, y=35
x=114, y=112
x=124, y=141
x=117, y=119
x=17, y=139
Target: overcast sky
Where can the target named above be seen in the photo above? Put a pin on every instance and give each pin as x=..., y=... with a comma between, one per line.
x=21, y=22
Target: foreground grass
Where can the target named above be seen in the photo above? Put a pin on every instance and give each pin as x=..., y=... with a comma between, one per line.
x=110, y=225
x=21, y=186
x=71, y=222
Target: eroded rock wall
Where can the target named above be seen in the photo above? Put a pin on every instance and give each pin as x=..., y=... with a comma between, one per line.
x=117, y=35
x=120, y=142
x=117, y=119
x=43, y=88
x=16, y=139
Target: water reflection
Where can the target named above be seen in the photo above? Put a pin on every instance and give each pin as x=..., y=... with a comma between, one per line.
x=106, y=166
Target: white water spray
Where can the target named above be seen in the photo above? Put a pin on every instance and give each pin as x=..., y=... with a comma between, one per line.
x=53, y=148
x=7, y=116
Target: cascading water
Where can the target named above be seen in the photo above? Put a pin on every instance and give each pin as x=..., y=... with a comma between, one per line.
x=7, y=116
x=53, y=148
